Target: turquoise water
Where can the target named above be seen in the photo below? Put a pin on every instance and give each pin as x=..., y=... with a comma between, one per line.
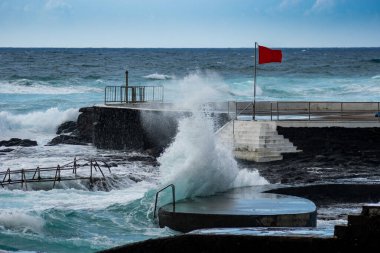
x=41, y=88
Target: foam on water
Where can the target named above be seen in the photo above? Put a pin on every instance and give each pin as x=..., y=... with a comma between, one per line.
x=157, y=76
x=25, y=86
x=19, y=220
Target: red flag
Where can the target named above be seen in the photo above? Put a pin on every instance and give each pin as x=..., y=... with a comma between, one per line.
x=267, y=55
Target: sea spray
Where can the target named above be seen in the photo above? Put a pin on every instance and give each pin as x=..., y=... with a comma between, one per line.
x=197, y=88
x=196, y=162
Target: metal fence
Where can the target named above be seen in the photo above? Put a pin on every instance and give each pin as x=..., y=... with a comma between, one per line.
x=133, y=94
x=79, y=169
x=305, y=110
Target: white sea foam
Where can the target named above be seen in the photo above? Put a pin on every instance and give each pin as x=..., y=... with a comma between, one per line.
x=157, y=76
x=70, y=199
x=25, y=86
x=376, y=77
x=196, y=162
x=19, y=220
x=34, y=122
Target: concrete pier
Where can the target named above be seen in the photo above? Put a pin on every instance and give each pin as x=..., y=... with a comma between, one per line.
x=239, y=208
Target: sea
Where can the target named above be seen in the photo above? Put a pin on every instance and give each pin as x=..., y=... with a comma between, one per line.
x=40, y=88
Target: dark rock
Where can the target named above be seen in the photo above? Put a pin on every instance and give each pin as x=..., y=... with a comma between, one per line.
x=67, y=127
x=6, y=150
x=85, y=123
x=134, y=178
x=66, y=139
x=141, y=158
x=18, y=142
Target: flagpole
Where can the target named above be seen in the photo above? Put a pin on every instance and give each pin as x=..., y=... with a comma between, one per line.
x=254, y=85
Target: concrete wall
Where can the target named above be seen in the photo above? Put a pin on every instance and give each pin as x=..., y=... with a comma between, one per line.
x=357, y=142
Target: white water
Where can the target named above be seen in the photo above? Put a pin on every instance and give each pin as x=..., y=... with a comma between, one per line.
x=34, y=123
x=157, y=76
x=196, y=162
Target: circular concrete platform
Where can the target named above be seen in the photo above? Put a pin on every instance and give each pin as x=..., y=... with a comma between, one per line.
x=239, y=208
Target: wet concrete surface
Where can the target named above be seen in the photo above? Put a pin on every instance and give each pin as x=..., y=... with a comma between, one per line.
x=242, y=207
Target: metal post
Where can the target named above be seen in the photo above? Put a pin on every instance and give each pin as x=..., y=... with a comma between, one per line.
x=254, y=85
x=126, y=86
x=228, y=109
x=271, y=112
x=22, y=178
x=121, y=94
x=91, y=171
x=235, y=110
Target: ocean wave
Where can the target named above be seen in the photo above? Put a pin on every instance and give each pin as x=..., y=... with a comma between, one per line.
x=376, y=77
x=27, y=86
x=17, y=220
x=38, y=121
x=157, y=76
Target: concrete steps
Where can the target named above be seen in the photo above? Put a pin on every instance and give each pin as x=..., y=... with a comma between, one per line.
x=255, y=140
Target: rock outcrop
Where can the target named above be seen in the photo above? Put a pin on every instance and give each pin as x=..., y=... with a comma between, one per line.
x=18, y=142
x=75, y=133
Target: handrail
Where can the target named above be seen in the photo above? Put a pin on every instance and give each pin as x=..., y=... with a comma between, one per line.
x=310, y=110
x=237, y=114
x=133, y=94
x=173, y=195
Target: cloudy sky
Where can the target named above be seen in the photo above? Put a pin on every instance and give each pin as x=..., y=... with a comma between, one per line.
x=189, y=23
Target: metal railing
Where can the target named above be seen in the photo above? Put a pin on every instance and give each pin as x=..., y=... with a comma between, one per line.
x=133, y=94
x=306, y=110
x=45, y=174
x=173, y=196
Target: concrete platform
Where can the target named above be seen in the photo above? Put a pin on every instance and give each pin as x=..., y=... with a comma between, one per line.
x=239, y=208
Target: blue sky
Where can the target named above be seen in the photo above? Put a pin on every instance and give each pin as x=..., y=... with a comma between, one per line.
x=191, y=23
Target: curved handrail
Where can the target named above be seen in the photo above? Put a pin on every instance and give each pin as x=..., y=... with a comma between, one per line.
x=173, y=195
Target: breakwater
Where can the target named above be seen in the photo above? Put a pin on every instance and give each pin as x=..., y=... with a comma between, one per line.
x=133, y=128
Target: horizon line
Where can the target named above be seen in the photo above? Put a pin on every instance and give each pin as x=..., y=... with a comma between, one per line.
x=55, y=47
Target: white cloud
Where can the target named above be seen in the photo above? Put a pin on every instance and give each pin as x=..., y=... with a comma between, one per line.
x=56, y=4
x=320, y=5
